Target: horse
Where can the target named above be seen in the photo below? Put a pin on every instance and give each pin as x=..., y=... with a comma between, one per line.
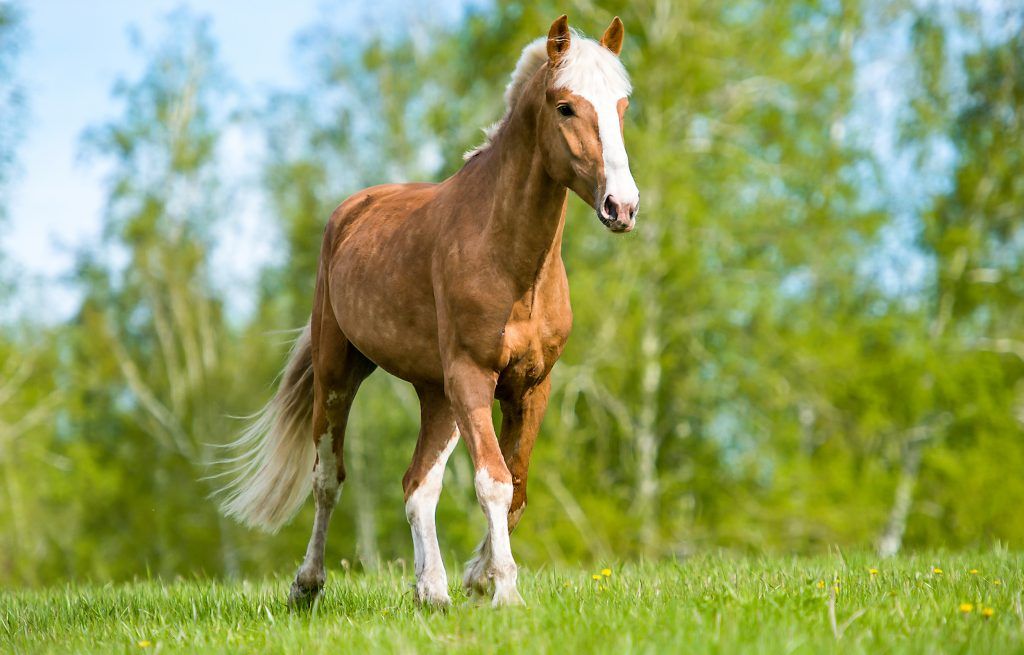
x=458, y=288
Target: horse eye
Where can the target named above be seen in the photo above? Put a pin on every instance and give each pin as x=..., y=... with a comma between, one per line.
x=566, y=110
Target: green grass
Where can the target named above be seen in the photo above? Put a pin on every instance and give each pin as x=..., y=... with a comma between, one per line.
x=711, y=604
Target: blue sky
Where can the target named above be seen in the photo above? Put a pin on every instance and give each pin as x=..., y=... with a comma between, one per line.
x=74, y=53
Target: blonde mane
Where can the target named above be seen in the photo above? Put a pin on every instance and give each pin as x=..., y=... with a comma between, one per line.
x=587, y=64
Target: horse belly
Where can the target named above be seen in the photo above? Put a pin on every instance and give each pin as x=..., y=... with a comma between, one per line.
x=390, y=318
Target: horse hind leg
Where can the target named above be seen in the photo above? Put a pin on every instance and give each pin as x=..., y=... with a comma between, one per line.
x=339, y=369
x=422, y=485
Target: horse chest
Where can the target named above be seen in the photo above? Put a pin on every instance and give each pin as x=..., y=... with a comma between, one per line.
x=532, y=344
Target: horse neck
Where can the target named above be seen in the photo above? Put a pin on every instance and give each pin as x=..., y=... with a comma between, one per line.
x=527, y=217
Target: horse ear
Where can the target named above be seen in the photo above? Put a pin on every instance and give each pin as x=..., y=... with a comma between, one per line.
x=558, y=39
x=612, y=38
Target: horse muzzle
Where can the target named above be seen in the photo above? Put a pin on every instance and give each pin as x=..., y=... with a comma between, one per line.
x=618, y=215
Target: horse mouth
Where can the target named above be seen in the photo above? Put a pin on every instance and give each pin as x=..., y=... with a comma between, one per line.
x=615, y=225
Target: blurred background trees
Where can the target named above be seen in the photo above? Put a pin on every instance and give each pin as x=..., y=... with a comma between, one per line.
x=748, y=369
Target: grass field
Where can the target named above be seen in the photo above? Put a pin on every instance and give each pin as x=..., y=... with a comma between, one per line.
x=713, y=604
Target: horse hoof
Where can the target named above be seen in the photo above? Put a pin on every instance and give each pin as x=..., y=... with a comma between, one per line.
x=301, y=597
x=507, y=597
x=433, y=600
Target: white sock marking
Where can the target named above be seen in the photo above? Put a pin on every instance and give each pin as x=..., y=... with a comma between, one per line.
x=431, y=578
x=495, y=499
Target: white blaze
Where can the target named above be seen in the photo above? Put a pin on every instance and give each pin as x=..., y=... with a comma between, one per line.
x=594, y=73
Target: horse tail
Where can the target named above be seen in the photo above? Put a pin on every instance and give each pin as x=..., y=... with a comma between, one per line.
x=273, y=470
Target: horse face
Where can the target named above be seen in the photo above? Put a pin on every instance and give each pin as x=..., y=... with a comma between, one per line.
x=581, y=123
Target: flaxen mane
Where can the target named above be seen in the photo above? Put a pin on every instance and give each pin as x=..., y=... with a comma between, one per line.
x=585, y=65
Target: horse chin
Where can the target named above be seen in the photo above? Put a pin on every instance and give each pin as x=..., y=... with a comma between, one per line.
x=614, y=224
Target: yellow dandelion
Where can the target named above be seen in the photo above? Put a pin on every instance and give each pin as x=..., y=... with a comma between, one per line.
x=966, y=608
x=997, y=582
x=973, y=571
x=821, y=584
x=596, y=576
x=937, y=571
x=873, y=571
x=836, y=587
x=145, y=643
x=567, y=584
x=988, y=612
x=606, y=573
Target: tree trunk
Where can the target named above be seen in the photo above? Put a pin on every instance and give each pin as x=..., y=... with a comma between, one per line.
x=647, y=446
x=891, y=540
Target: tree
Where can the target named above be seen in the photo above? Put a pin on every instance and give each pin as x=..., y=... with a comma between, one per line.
x=162, y=370
x=972, y=234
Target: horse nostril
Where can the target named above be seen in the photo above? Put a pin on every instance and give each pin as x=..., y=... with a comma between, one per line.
x=610, y=210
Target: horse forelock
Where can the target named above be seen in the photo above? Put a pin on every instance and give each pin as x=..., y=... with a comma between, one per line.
x=587, y=68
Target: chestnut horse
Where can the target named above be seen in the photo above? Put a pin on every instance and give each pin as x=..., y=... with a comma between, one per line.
x=459, y=288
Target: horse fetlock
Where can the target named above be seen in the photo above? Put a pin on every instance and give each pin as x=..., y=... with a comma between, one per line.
x=486, y=578
x=432, y=590
x=504, y=576
x=506, y=594
x=311, y=576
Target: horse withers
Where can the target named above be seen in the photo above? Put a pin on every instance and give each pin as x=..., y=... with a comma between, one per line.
x=459, y=288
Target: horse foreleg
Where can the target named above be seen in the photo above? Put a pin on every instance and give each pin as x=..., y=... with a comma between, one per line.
x=521, y=419
x=422, y=485
x=471, y=392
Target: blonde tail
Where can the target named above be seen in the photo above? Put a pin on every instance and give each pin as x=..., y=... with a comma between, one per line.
x=273, y=470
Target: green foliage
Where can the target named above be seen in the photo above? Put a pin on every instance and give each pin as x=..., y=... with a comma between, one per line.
x=736, y=379
x=710, y=604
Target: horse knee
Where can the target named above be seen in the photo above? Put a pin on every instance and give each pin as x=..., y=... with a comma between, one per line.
x=492, y=491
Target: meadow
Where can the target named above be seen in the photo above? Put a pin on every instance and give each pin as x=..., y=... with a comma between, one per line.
x=849, y=603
